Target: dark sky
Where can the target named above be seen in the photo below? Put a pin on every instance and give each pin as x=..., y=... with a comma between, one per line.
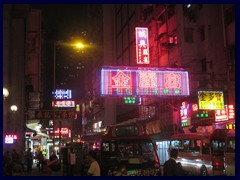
x=62, y=20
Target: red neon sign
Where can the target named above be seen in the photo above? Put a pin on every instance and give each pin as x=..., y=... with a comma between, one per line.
x=194, y=107
x=221, y=114
x=132, y=81
x=63, y=103
x=142, y=45
x=231, y=113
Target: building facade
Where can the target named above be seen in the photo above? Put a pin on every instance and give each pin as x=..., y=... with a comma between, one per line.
x=199, y=38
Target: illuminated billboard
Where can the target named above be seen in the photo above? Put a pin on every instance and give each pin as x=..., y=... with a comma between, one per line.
x=185, y=114
x=142, y=45
x=62, y=94
x=63, y=104
x=140, y=81
x=211, y=100
x=10, y=138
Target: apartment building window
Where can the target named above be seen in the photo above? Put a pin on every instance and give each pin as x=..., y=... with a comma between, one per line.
x=230, y=15
x=202, y=33
x=204, y=65
x=171, y=11
x=147, y=12
x=161, y=20
x=188, y=35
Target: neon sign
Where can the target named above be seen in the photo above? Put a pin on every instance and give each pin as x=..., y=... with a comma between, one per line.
x=231, y=113
x=137, y=81
x=211, y=100
x=10, y=138
x=142, y=45
x=62, y=94
x=185, y=114
x=221, y=114
x=63, y=103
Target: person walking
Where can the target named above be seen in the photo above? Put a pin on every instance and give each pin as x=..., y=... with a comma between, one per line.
x=40, y=158
x=94, y=169
x=171, y=167
x=29, y=160
x=7, y=164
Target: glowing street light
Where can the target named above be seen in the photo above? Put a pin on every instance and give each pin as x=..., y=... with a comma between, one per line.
x=79, y=45
x=14, y=108
x=5, y=93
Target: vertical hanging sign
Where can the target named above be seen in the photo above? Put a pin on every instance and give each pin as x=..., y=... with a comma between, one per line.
x=142, y=46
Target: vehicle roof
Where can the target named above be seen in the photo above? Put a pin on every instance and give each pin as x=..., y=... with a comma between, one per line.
x=107, y=137
x=189, y=135
x=221, y=134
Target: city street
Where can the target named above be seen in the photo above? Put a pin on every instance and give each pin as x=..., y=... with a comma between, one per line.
x=113, y=89
x=36, y=172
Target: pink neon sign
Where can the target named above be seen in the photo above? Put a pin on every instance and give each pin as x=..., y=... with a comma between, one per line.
x=132, y=81
x=10, y=138
x=142, y=45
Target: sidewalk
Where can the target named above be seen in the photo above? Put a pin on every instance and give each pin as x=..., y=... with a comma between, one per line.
x=35, y=172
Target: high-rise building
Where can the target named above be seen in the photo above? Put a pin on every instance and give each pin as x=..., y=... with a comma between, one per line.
x=199, y=38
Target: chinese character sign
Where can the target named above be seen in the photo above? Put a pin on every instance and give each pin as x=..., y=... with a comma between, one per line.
x=130, y=81
x=63, y=104
x=185, y=114
x=62, y=94
x=211, y=100
x=221, y=114
x=142, y=45
x=48, y=114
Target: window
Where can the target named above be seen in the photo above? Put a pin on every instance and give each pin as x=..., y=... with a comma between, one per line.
x=106, y=147
x=204, y=65
x=171, y=11
x=231, y=145
x=186, y=144
x=206, y=148
x=161, y=20
x=202, y=33
x=230, y=15
x=188, y=35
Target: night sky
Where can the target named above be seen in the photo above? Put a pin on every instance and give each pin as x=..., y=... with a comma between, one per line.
x=62, y=20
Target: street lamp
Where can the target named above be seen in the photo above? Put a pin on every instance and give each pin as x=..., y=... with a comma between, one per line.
x=5, y=95
x=14, y=110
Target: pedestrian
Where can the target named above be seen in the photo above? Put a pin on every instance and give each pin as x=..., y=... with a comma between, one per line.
x=40, y=158
x=18, y=166
x=53, y=163
x=15, y=156
x=171, y=167
x=29, y=160
x=94, y=169
x=7, y=164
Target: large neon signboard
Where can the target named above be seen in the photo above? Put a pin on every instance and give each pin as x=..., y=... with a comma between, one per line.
x=134, y=81
x=211, y=100
x=142, y=45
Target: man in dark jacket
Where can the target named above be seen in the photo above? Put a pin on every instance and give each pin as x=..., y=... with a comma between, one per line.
x=170, y=167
